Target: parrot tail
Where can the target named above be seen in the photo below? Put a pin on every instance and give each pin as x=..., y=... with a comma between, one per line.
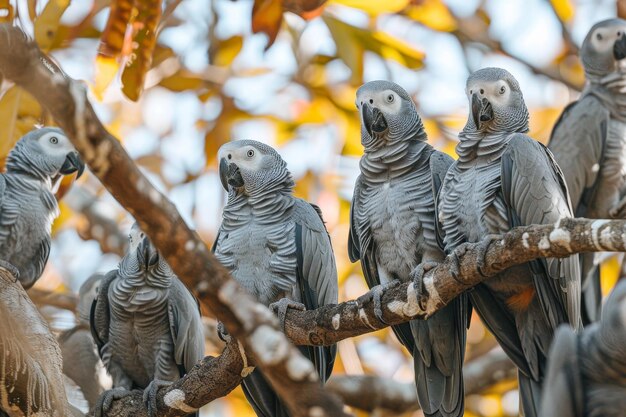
x=530, y=396
x=592, y=291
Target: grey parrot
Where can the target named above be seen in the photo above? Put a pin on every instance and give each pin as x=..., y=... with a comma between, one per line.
x=81, y=362
x=589, y=142
x=277, y=247
x=501, y=180
x=393, y=229
x=27, y=203
x=146, y=324
x=587, y=372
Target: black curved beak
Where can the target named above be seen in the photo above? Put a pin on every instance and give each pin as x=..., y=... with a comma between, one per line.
x=230, y=174
x=619, y=48
x=72, y=164
x=481, y=110
x=373, y=119
x=147, y=254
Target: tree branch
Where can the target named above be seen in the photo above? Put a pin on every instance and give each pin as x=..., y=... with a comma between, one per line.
x=371, y=393
x=292, y=375
x=212, y=378
x=329, y=324
x=65, y=301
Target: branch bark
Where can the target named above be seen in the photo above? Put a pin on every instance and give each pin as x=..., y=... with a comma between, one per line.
x=212, y=378
x=292, y=375
x=372, y=393
x=329, y=324
x=65, y=301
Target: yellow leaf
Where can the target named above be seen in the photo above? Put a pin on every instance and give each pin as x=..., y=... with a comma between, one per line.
x=9, y=104
x=434, y=14
x=182, y=81
x=113, y=36
x=374, y=7
x=610, y=271
x=228, y=50
x=352, y=41
x=47, y=23
x=7, y=12
x=105, y=71
x=144, y=40
x=564, y=9
x=65, y=214
x=267, y=16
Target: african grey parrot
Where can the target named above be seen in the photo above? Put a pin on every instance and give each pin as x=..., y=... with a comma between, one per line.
x=277, y=247
x=146, y=324
x=81, y=361
x=27, y=203
x=589, y=142
x=393, y=228
x=501, y=180
x=587, y=372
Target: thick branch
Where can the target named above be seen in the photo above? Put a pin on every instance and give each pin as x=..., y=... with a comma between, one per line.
x=293, y=376
x=330, y=324
x=212, y=378
x=372, y=393
x=65, y=301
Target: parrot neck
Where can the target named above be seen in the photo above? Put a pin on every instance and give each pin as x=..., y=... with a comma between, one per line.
x=475, y=145
x=26, y=184
x=21, y=163
x=264, y=207
x=394, y=160
x=135, y=275
x=610, y=91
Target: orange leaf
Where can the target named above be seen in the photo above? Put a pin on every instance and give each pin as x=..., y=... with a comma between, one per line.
x=6, y=11
x=112, y=40
x=267, y=16
x=144, y=41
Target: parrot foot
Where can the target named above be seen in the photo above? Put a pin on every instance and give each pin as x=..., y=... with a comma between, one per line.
x=106, y=399
x=417, y=276
x=481, y=249
x=619, y=210
x=281, y=306
x=150, y=395
x=376, y=295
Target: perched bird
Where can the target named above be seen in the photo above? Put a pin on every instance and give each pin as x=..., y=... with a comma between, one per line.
x=81, y=362
x=589, y=142
x=393, y=229
x=276, y=246
x=587, y=372
x=146, y=324
x=501, y=180
x=27, y=203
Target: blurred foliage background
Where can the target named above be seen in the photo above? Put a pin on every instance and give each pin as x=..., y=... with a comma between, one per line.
x=174, y=80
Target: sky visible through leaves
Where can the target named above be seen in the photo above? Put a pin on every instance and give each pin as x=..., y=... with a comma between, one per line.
x=212, y=80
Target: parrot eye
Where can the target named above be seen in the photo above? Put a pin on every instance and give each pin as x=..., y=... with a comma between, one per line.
x=54, y=140
x=250, y=153
x=390, y=98
x=502, y=89
x=599, y=36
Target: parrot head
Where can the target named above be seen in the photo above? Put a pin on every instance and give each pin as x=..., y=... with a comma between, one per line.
x=496, y=102
x=86, y=294
x=45, y=153
x=146, y=253
x=251, y=167
x=604, y=48
x=387, y=113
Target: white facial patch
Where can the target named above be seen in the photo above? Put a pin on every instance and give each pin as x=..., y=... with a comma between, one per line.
x=55, y=143
x=387, y=101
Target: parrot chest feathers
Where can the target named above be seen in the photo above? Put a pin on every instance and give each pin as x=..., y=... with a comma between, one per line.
x=400, y=215
x=470, y=206
x=261, y=257
x=614, y=166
